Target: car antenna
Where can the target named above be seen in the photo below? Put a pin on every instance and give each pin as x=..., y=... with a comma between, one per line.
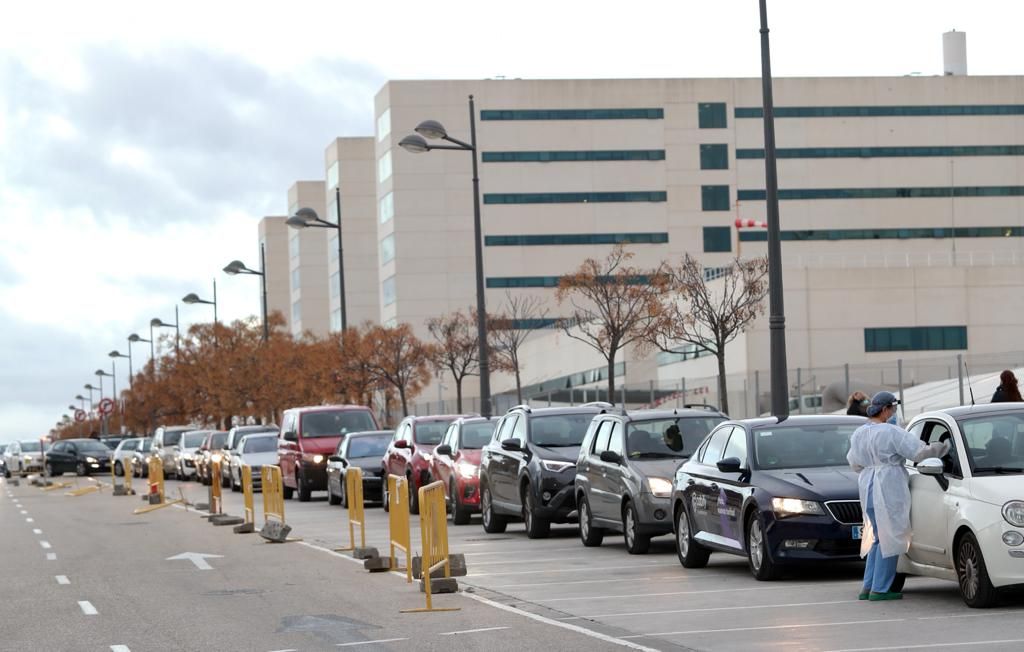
x=969, y=387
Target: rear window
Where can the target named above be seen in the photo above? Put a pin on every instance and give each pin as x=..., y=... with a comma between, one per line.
x=29, y=447
x=673, y=437
x=260, y=445
x=475, y=435
x=431, y=432
x=804, y=446
x=368, y=446
x=332, y=424
x=560, y=430
x=218, y=440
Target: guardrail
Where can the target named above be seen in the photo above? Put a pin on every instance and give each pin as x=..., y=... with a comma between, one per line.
x=434, y=535
x=354, y=506
x=398, y=522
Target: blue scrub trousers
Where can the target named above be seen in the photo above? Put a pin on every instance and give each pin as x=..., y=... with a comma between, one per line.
x=879, y=571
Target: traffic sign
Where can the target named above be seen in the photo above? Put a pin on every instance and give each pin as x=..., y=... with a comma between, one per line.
x=107, y=406
x=79, y=415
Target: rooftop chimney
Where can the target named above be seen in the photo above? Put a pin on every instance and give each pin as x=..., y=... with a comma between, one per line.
x=954, y=53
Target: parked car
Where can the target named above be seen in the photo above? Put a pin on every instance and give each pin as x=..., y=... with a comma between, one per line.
x=363, y=450
x=112, y=441
x=232, y=444
x=967, y=509
x=141, y=457
x=528, y=469
x=456, y=463
x=185, y=463
x=83, y=456
x=254, y=450
x=166, y=442
x=776, y=492
x=212, y=449
x=3, y=462
x=308, y=436
x=23, y=457
x=411, y=450
x=125, y=449
x=625, y=468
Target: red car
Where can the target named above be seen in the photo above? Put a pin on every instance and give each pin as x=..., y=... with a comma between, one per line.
x=309, y=435
x=456, y=463
x=410, y=452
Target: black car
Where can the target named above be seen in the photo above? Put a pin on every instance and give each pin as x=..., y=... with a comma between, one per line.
x=777, y=492
x=625, y=469
x=83, y=456
x=362, y=449
x=528, y=468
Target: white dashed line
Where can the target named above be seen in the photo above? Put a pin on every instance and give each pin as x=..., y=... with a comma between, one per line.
x=472, y=631
x=37, y=531
x=382, y=640
x=119, y=648
x=63, y=579
x=932, y=645
x=29, y=520
x=768, y=627
x=23, y=512
x=51, y=556
x=87, y=608
x=45, y=544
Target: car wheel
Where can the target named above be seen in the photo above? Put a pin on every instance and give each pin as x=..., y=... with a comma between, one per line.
x=49, y=471
x=460, y=515
x=493, y=523
x=80, y=469
x=414, y=497
x=691, y=554
x=118, y=469
x=224, y=482
x=286, y=492
x=344, y=496
x=331, y=498
x=636, y=543
x=761, y=565
x=536, y=527
x=305, y=493
x=385, y=496
x=975, y=586
x=897, y=583
x=590, y=536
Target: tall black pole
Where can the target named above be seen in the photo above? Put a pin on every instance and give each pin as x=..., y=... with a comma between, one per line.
x=263, y=279
x=341, y=260
x=152, y=346
x=215, y=305
x=131, y=371
x=113, y=376
x=177, y=331
x=776, y=311
x=481, y=307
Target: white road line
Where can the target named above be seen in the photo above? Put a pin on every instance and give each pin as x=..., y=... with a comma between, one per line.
x=29, y=520
x=984, y=614
x=709, y=609
x=658, y=595
x=23, y=512
x=510, y=551
x=381, y=640
x=51, y=556
x=472, y=631
x=670, y=578
x=119, y=648
x=87, y=608
x=930, y=645
x=63, y=579
x=45, y=544
x=37, y=531
x=560, y=560
x=581, y=569
x=768, y=627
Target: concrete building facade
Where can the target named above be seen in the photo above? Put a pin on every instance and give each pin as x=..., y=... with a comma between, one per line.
x=307, y=263
x=273, y=240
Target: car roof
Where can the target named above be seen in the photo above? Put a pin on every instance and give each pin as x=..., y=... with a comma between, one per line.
x=255, y=435
x=976, y=410
x=369, y=433
x=81, y=439
x=800, y=420
x=680, y=413
x=435, y=417
x=246, y=429
x=326, y=408
x=588, y=408
x=476, y=419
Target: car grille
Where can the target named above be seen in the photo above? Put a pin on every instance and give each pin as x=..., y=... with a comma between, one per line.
x=847, y=512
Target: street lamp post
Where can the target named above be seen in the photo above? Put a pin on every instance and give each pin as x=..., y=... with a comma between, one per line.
x=156, y=322
x=307, y=217
x=417, y=144
x=91, y=389
x=238, y=267
x=103, y=418
x=81, y=401
x=192, y=298
x=100, y=373
x=113, y=356
x=132, y=339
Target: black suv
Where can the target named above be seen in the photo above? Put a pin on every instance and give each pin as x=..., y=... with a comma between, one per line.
x=528, y=468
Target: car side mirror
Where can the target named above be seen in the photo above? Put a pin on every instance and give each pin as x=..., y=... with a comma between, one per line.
x=611, y=457
x=934, y=467
x=514, y=444
x=729, y=465
x=401, y=443
x=291, y=435
x=335, y=458
x=443, y=449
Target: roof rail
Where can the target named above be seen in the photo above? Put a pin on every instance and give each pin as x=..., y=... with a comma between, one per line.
x=701, y=406
x=522, y=406
x=600, y=404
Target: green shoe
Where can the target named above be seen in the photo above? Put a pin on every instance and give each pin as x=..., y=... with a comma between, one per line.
x=888, y=595
x=863, y=595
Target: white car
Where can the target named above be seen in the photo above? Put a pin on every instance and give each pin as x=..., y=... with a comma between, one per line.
x=22, y=457
x=253, y=451
x=124, y=450
x=184, y=457
x=967, y=509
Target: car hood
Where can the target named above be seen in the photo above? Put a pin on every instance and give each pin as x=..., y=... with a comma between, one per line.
x=259, y=459
x=998, y=489
x=825, y=483
x=320, y=445
x=657, y=468
x=560, y=453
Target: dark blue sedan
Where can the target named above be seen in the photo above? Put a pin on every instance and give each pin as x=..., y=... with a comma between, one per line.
x=778, y=493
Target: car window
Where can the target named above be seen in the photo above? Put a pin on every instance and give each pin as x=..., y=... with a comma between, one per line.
x=57, y=448
x=715, y=445
x=367, y=446
x=259, y=445
x=507, y=426
x=616, y=441
x=146, y=446
x=808, y=445
x=604, y=431
x=92, y=446
x=995, y=442
x=218, y=440
x=172, y=437
x=672, y=437
x=449, y=438
x=737, y=446
x=560, y=430
x=474, y=435
x=194, y=439
x=334, y=423
x=519, y=429
x=430, y=432
x=936, y=431
x=30, y=447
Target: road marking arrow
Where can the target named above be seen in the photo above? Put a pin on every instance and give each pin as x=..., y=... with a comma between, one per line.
x=197, y=558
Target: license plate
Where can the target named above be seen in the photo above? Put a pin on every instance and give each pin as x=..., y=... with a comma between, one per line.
x=857, y=530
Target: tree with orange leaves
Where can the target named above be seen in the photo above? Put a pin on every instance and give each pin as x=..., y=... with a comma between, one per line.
x=398, y=358
x=456, y=348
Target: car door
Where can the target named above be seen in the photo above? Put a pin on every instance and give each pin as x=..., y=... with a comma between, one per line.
x=287, y=447
x=55, y=456
x=613, y=475
x=504, y=465
x=596, y=484
x=733, y=488
x=704, y=488
x=931, y=507
x=441, y=465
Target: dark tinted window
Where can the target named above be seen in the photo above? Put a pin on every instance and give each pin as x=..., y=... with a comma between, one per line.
x=430, y=432
x=194, y=439
x=368, y=446
x=802, y=446
x=713, y=450
x=87, y=446
x=218, y=440
x=29, y=447
x=332, y=424
x=559, y=430
x=475, y=435
x=661, y=437
x=260, y=445
x=172, y=437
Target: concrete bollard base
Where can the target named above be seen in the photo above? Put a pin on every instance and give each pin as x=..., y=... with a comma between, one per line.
x=365, y=553
x=245, y=528
x=456, y=564
x=377, y=564
x=119, y=490
x=226, y=519
x=154, y=499
x=441, y=585
x=275, y=531
x=202, y=506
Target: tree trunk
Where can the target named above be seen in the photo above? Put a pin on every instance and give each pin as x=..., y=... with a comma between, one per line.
x=611, y=379
x=405, y=406
x=519, y=387
x=458, y=395
x=723, y=394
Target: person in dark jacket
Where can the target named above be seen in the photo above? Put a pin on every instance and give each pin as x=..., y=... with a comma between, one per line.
x=1007, y=391
x=858, y=404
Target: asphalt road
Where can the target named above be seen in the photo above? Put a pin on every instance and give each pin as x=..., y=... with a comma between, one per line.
x=549, y=594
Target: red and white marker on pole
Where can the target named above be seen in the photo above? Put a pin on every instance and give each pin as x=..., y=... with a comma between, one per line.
x=750, y=224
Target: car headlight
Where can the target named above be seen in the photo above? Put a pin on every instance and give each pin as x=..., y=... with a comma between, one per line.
x=556, y=466
x=317, y=459
x=28, y=458
x=466, y=469
x=427, y=457
x=795, y=507
x=91, y=460
x=660, y=487
x=216, y=457
x=1013, y=512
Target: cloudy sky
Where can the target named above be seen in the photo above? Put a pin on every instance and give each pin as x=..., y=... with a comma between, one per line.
x=140, y=144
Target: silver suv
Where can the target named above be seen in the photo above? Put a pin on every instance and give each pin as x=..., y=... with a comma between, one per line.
x=166, y=444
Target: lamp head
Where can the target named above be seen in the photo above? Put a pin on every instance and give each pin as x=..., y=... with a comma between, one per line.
x=190, y=298
x=89, y=387
x=415, y=144
x=79, y=397
x=234, y=267
x=156, y=322
x=100, y=372
x=431, y=129
x=134, y=337
x=296, y=222
x=302, y=218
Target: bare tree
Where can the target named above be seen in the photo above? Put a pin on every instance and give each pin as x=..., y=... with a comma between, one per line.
x=399, y=359
x=710, y=310
x=614, y=305
x=457, y=348
x=509, y=329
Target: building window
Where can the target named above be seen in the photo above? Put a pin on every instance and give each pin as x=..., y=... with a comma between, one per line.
x=335, y=285
x=882, y=111
x=574, y=239
x=336, y=319
x=574, y=197
x=293, y=208
x=296, y=314
x=542, y=281
x=530, y=324
x=714, y=198
x=573, y=114
x=717, y=239
x=885, y=152
x=714, y=157
x=388, y=290
x=574, y=155
x=332, y=176
x=915, y=338
x=293, y=244
x=384, y=124
x=387, y=207
x=887, y=193
x=332, y=246
x=889, y=234
x=711, y=115
x=296, y=279
x=387, y=249
x=383, y=167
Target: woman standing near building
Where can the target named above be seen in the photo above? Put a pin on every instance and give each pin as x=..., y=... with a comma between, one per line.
x=1008, y=391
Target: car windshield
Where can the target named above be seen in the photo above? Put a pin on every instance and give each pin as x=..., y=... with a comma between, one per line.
x=260, y=445
x=475, y=435
x=332, y=424
x=802, y=446
x=431, y=432
x=92, y=446
x=193, y=440
x=672, y=437
x=218, y=440
x=368, y=446
x=995, y=442
x=29, y=447
x=560, y=430
x=111, y=442
x=172, y=437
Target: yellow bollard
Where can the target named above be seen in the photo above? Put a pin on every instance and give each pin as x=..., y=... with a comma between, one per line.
x=356, y=516
x=128, y=464
x=156, y=487
x=250, y=515
x=434, y=534
x=215, y=494
x=398, y=521
x=274, y=528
